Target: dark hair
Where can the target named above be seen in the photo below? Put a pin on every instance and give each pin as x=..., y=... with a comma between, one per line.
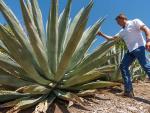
x=121, y=16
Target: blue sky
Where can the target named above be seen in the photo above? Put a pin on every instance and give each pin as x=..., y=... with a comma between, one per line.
x=111, y=8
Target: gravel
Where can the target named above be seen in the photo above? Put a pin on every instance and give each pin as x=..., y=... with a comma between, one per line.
x=108, y=102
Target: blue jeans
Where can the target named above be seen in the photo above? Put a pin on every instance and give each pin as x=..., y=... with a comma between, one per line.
x=129, y=57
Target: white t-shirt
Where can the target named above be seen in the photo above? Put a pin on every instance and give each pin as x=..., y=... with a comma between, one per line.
x=132, y=34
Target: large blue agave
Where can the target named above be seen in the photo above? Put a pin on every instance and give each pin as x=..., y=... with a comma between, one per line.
x=44, y=66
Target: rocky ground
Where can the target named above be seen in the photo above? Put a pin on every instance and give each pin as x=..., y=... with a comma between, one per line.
x=105, y=101
x=108, y=102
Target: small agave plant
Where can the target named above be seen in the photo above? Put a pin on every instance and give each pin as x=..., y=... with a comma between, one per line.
x=40, y=67
x=119, y=49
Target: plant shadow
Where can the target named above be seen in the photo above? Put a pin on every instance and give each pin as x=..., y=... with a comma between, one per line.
x=142, y=100
x=118, y=90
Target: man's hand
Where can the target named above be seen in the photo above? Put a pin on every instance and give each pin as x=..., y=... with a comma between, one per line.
x=148, y=46
x=109, y=38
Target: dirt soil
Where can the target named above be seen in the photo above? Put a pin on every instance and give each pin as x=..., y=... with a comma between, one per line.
x=107, y=101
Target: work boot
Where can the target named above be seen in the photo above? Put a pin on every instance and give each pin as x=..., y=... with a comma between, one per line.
x=126, y=94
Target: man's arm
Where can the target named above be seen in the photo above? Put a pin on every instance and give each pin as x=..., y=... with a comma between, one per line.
x=146, y=30
x=106, y=36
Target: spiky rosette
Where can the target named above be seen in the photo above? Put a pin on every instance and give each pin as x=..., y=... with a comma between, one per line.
x=42, y=66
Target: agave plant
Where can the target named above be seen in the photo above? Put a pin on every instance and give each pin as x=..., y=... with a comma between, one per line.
x=119, y=50
x=40, y=67
x=135, y=69
x=137, y=72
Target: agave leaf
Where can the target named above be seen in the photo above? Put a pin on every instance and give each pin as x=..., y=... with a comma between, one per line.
x=9, y=80
x=10, y=95
x=75, y=60
x=67, y=38
x=135, y=77
x=95, y=85
x=79, y=24
x=98, y=62
x=72, y=26
x=5, y=88
x=84, y=44
x=68, y=96
x=29, y=6
x=14, y=102
x=21, y=56
x=101, y=60
x=43, y=106
x=38, y=21
x=90, y=76
x=26, y=103
x=52, y=36
x=87, y=93
x=36, y=43
x=3, y=49
x=102, y=48
x=81, y=79
x=109, y=67
x=2, y=72
x=16, y=27
x=5, y=36
x=12, y=68
x=33, y=89
x=116, y=76
x=12, y=81
x=8, y=64
x=62, y=28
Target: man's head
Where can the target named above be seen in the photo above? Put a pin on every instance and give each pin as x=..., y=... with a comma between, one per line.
x=121, y=19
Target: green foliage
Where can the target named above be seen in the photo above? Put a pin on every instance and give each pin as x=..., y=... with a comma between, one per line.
x=42, y=66
x=137, y=73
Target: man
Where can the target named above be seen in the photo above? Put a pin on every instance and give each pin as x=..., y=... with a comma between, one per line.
x=131, y=33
